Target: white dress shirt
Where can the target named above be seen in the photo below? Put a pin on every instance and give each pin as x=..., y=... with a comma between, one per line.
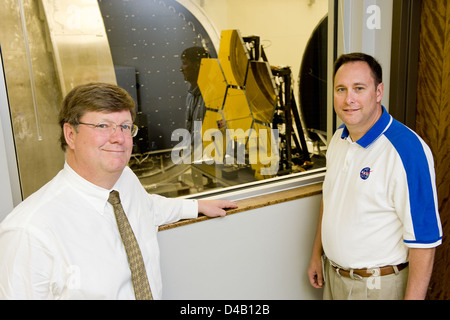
x=62, y=242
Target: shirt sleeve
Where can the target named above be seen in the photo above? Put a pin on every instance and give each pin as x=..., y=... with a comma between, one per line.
x=164, y=210
x=416, y=196
x=169, y=210
x=25, y=266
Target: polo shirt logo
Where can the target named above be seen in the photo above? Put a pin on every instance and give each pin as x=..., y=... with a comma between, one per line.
x=365, y=173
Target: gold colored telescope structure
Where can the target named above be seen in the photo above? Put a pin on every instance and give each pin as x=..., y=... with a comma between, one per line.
x=240, y=96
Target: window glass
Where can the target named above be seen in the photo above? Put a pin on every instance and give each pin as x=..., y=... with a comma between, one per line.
x=228, y=93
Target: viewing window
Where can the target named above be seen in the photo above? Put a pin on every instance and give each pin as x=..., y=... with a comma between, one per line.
x=228, y=93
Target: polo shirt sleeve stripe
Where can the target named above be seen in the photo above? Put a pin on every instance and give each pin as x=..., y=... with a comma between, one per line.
x=418, y=164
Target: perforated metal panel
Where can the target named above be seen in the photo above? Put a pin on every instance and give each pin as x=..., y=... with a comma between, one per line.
x=150, y=36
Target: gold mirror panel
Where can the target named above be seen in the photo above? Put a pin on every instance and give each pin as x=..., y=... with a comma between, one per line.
x=262, y=151
x=212, y=83
x=236, y=109
x=233, y=57
x=214, y=122
x=261, y=91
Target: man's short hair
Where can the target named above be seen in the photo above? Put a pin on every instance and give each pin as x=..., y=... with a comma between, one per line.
x=195, y=54
x=374, y=65
x=93, y=97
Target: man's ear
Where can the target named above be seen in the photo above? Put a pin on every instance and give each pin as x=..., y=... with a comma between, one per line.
x=380, y=91
x=70, y=135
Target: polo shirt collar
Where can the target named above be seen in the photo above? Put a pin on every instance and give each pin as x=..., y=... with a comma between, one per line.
x=377, y=130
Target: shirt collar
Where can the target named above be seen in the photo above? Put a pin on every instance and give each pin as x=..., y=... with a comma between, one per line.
x=377, y=129
x=93, y=194
x=194, y=91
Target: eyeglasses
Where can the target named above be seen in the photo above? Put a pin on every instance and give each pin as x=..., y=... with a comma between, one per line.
x=109, y=128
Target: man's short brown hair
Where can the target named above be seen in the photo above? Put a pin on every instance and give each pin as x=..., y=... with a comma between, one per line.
x=374, y=65
x=93, y=97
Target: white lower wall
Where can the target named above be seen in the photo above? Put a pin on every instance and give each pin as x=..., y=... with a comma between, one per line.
x=257, y=254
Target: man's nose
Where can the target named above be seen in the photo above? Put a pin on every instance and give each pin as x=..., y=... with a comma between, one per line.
x=117, y=134
x=350, y=98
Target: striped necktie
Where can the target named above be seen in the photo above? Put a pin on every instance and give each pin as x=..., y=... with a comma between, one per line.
x=138, y=274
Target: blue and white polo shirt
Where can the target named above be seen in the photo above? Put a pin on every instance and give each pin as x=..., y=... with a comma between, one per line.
x=379, y=196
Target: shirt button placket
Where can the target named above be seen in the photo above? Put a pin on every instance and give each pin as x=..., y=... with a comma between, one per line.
x=349, y=157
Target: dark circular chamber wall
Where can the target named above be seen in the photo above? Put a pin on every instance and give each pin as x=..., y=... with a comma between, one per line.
x=147, y=38
x=313, y=78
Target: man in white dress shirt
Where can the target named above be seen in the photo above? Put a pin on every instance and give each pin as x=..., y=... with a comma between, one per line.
x=62, y=242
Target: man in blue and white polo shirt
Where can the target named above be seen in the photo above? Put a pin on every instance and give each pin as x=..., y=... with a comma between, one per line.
x=379, y=223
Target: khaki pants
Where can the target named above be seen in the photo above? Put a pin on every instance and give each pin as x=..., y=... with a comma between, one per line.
x=389, y=287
